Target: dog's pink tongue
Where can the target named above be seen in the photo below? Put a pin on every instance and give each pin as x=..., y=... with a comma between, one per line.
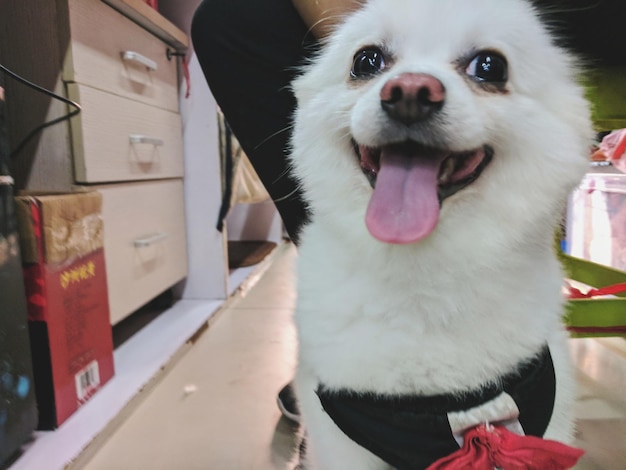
x=404, y=207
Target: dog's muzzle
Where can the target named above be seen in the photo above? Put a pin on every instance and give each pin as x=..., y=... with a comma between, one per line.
x=410, y=182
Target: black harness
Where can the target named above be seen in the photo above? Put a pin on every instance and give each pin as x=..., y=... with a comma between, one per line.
x=410, y=432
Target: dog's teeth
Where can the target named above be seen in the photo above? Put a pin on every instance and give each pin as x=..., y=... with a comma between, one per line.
x=446, y=171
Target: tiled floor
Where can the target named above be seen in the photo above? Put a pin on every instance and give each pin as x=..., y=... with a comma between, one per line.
x=216, y=409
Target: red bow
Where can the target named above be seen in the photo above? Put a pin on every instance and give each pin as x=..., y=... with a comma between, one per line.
x=487, y=447
x=575, y=293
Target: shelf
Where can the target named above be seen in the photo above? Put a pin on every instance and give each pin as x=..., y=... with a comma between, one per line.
x=150, y=19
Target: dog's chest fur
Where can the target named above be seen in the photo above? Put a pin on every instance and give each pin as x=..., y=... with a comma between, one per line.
x=393, y=322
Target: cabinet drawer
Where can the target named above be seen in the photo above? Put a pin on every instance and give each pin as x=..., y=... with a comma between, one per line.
x=110, y=52
x=117, y=139
x=144, y=242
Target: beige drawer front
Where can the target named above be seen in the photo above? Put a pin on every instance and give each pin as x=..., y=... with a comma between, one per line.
x=116, y=139
x=144, y=242
x=100, y=38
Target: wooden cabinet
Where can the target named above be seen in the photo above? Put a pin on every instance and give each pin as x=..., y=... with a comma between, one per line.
x=144, y=241
x=109, y=52
x=114, y=59
x=118, y=139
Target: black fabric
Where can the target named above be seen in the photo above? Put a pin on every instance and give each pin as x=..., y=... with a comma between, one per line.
x=535, y=394
x=228, y=170
x=249, y=52
x=589, y=27
x=411, y=432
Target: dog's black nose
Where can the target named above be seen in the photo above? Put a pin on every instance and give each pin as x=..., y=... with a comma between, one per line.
x=412, y=97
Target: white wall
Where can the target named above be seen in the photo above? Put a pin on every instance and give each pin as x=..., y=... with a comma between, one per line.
x=206, y=246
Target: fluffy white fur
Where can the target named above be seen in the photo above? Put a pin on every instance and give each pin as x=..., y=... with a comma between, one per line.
x=483, y=291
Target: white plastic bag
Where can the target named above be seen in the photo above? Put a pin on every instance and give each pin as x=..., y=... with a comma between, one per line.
x=613, y=146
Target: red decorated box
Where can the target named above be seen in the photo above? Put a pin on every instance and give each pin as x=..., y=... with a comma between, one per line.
x=68, y=309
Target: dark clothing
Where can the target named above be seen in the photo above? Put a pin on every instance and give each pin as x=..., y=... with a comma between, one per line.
x=249, y=52
x=588, y=27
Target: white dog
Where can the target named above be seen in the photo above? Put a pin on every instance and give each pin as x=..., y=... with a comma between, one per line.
x=436, y=141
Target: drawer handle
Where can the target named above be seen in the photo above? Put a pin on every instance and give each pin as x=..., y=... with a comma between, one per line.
x=150, y=240
x=146, y=139
x=133, y=56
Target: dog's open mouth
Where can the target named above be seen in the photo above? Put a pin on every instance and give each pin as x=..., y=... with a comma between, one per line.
x=410, y=182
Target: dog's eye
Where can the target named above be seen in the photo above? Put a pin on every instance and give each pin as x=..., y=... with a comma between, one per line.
x=367, y=62
x=488, y=66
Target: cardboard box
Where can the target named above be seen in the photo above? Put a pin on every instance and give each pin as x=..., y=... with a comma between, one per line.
x=68, y=309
